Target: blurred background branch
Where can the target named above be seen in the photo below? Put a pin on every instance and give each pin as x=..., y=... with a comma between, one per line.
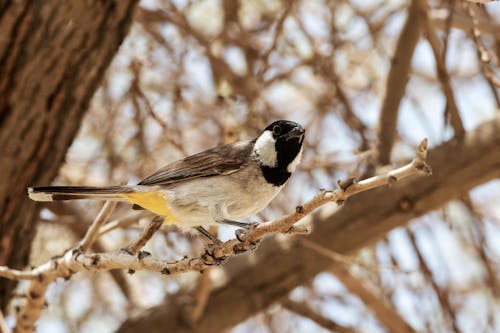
x=367, y=79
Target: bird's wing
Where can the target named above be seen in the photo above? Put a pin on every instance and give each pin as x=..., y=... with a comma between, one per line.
x=221, y=160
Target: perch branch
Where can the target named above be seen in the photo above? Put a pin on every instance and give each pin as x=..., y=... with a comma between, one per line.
x=132, y=259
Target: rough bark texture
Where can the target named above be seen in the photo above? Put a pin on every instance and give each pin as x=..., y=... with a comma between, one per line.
x=251, y=285
x=53, y=55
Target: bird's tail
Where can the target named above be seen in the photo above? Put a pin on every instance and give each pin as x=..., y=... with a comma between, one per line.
x=56, y=193
x=142, y=197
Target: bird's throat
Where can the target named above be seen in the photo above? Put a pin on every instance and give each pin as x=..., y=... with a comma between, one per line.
x=276, y=176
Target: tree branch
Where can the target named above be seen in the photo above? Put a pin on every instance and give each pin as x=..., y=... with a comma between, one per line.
x=383, y=310
x=251, y=286
x=70, y=45
x=303, y=310
x=396, y=84
x=65, y=266
x=452, y=112
x=131, y=259
x=93, y=231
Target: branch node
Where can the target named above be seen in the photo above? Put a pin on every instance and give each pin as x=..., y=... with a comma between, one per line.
x=165, y=271
x=405, y=205
x=299, y=209
x=424, y=167
x=239, y=249
x=254, y=245
x=70, y=273
x=95, y=259
x=143, y=254
x=34, y=295
x=126, y=250
x=298, y=230
x=391, y=179
x=211, y=259
x=344, y=184
x=131, y=271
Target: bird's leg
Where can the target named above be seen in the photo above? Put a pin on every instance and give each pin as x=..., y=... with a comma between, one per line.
x=219, y=215
x=209, y=235
x=238, y=224
x=209, y=255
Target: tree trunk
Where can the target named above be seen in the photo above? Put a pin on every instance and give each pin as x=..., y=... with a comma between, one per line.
x=53, y=54
x=258, y=280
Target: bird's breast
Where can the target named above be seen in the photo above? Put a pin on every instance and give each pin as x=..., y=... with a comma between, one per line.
x=240, y=195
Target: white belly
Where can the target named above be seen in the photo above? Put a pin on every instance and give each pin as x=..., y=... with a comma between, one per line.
x=234, y=197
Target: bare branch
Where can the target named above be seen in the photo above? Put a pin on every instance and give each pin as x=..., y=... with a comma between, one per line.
x=146, y=235
x=464, y=22
x=364, y=219
x=441, y=294
x=75, y=260
x=65, y=266
x=93, y=231
x=202, y=293
x=396, y=84
x=348, y=260
x=452, y=112
x=303, y=310
x=383, y=310
x=483, y=54
x=123, y=222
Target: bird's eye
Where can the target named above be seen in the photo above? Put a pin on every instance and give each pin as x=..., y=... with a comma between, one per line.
x=276, y=130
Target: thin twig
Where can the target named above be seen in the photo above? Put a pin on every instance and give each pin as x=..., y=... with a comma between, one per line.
x=44, y=274
x=442, y=295
x=203, y=290
x=379, y=304
x=93, y=231
x=348, y=260
x=123, y=222
x=483, y=54
x=451, y=112
x=145, y=235
x=304, y=310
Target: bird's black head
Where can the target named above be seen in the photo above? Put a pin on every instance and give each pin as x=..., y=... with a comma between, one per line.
x=279, y=148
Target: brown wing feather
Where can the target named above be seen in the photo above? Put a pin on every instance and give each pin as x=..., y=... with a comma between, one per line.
x=220, y=160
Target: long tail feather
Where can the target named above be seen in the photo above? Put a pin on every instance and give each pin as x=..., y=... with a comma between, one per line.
x=55, y=193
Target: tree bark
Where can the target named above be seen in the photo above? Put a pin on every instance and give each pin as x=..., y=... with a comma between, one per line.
x=53, y=54
x=256, y=280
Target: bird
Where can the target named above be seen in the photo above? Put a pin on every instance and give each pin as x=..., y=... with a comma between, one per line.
x=221, y=185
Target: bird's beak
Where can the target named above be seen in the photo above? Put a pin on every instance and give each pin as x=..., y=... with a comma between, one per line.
x=297, y=132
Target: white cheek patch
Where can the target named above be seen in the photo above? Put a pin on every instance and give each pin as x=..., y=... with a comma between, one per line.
x=293, y=164
x=265, y=148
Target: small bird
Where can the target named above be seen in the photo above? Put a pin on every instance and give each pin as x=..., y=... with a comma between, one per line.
x=218, y=185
